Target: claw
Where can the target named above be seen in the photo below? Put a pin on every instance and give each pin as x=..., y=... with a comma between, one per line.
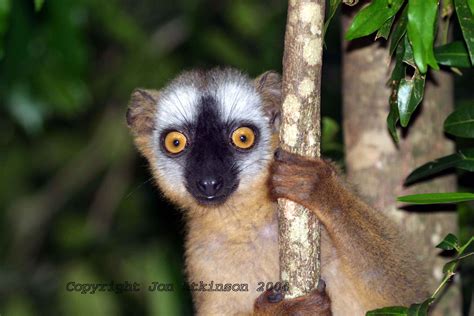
x=277, y=154
x=321, y=286
x=283, y=155
x=275, y=296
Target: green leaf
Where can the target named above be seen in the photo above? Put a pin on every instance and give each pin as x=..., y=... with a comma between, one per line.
x=420, y=309
x=453, y=54
x=436, y=198
x=384, y=31
x=450, y=266
x=399, y=31
x=449, y=242
x=38, y=4
x=433, y=167
x=421, y=30
x=409, y=96
x=471, y=5
x=408, y=53
x=397, y=74
x=389, y=311
x=466, y=21
x=464, y=247
x=467, y=162
x=333, y=5
x=461, y=122
x=464, y=159
x=392, y=120
x=372, y=17
x=399, y=70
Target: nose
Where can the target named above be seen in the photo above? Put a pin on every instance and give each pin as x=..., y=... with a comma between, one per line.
x=210, y=186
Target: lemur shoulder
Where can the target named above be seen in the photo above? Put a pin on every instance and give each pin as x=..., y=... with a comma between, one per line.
x=210, y=139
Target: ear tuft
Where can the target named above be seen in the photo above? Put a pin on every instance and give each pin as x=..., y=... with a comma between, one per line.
x=268, y=85
x=141, y=111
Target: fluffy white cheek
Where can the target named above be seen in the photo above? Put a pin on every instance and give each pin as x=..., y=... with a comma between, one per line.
x=253, y=165
x=173, y=177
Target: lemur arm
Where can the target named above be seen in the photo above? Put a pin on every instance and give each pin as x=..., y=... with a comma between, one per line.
x=372, y=250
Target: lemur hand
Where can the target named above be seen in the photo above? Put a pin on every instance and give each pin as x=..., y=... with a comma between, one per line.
x=300, y=179
x=272, y=303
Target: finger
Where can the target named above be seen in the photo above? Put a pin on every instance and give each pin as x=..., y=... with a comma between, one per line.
x=275, y=296
x=321, y=286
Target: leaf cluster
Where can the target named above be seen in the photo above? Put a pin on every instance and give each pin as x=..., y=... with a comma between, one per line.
x=417, y=31
x=417, y=34
x=459, y=123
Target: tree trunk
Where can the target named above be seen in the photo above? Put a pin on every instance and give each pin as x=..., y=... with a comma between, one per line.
x=300, y=133
x=378, y=168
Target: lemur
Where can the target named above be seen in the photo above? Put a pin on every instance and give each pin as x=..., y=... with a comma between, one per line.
x=211, y=140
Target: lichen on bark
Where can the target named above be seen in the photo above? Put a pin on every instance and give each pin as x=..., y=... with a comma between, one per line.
x=300, y=133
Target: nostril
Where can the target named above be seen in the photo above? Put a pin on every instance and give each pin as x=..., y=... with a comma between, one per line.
x=218, y=183
x=210, y=186
x=202, y=186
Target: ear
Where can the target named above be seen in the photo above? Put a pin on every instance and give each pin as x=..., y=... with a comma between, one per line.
x=268, y=85
x=141, y=111
x=141, y=117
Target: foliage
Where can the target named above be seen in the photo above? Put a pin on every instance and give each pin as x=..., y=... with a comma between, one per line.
x=413, y=42
x=450, y=242
x=463, y=159
x=459, y=123
x=417, y=32
x=372, y=18
x=437, y=198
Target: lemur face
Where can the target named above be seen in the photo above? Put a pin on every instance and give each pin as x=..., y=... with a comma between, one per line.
x=211, y=135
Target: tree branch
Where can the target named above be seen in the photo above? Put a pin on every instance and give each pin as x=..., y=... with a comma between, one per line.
x=300, y=133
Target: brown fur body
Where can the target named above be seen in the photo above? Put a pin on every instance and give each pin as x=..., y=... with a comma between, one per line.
x=366, y=263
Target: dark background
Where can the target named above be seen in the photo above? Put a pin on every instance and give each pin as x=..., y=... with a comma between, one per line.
x=77, y=203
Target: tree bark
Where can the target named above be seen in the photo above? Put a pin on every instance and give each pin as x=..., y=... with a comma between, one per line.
x=378, y=168
x=300, y=133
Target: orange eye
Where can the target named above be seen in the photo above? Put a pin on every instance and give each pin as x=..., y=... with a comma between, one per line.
x=243, y=137
x=175, y=142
